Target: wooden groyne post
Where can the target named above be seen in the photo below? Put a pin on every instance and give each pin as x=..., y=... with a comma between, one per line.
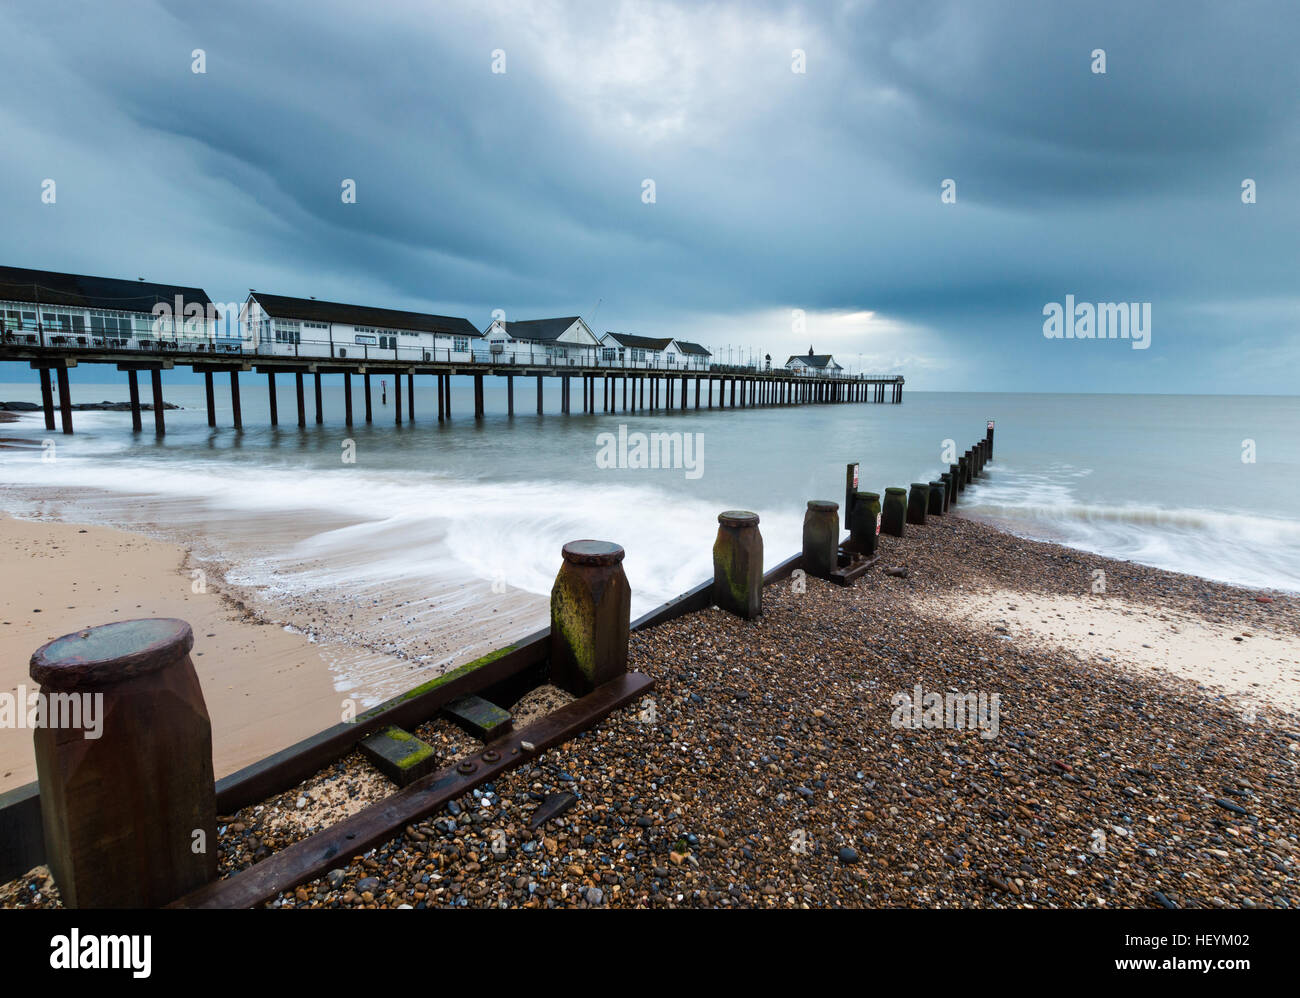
x=893, y=515
x=821, y=537
x=127, y=794
x=591, y=615
x=738, y=564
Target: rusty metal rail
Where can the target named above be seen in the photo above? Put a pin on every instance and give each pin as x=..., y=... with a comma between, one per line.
x=313, y=856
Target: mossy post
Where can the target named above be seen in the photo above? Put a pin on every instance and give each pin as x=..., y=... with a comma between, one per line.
x=591, y=610
x=821, y=537
x=937, y=490
x=958, y=479
x=738, y=564
x=917, y=500
x=988, y=435
x=969, y=459
x=124, y=761
x=893, y=515
x=948, y=487
x=864, y=523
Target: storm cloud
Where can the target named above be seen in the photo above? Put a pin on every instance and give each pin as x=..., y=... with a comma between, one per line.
x=775, y=190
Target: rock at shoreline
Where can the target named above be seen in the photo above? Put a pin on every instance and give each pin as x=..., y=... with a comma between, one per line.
x=104, y=406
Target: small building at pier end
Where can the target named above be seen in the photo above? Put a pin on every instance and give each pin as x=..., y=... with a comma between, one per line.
x=820, y=365
x=280, y=326
x=43, y=308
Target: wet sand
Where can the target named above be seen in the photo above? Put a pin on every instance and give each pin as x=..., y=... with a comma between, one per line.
x=265, y=686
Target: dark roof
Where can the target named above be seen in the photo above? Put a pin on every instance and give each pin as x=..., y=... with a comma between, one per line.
x=812, y=359
x=311, y=310
x=641, y=342
x=695, y=348
x=76, y=291
x=545, y=330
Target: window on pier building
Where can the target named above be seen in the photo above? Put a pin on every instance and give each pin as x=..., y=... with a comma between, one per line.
x=607, y=353
x=461, y=344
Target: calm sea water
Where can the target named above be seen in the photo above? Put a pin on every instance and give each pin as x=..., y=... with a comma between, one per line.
x=1155, y=479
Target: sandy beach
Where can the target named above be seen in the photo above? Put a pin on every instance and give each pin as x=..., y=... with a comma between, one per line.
x=1139, y=755
x=265, y=687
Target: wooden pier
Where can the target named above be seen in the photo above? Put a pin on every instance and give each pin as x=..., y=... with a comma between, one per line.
x=604, y=387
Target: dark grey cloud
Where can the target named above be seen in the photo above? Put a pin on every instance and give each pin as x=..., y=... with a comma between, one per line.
x=775, y=190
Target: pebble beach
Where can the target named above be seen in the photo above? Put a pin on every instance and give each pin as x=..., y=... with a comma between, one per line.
x=767, y=767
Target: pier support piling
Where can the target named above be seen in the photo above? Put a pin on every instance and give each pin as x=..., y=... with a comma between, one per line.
x=270, y=395
x=510, y=395
x=133, y=386
x=410, y=396
x=65, y=400
x=47, y=398
x=159, y=424
x=302, y=399
x=234, y=400
x=347, y=398
x=211, y=397
x=365, y=384
x=320, y=407
x=397, y=399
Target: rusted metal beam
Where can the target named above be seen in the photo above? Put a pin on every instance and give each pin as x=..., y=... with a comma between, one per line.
x=290, y=766
x=313, y=856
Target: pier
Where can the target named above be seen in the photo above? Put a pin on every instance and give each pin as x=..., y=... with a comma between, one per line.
x=57, y=321
x=604, y=387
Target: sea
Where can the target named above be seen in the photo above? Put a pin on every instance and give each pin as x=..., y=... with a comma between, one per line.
x=1204, y=485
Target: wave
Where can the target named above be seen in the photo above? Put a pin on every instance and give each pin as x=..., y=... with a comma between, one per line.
x=1252, y=550
x=378, y=528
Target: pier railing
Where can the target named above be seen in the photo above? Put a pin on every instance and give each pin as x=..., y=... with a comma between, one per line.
x=479, y=353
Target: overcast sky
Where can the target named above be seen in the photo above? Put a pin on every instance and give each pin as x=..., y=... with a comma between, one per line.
x=774, y=190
